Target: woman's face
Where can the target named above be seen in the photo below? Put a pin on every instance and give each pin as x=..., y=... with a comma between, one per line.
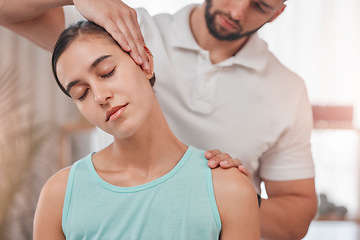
x=109, y=89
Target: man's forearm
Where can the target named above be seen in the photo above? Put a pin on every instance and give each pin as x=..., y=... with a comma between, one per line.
x=12, y=11
x=286, y=217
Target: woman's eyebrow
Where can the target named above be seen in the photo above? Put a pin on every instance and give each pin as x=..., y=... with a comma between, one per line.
x=71, y=84
x=93, y=65
x=97, y=61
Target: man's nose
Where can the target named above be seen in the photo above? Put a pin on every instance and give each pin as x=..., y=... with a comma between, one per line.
x=239, y=9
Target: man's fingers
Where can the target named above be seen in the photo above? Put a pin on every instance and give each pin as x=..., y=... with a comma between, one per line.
x=126, y=31
x=215, y=160
x=211, y=153
x=138, y=39
x=230, y=162
x=116, y=33
x=135, y=38
x=120, y=21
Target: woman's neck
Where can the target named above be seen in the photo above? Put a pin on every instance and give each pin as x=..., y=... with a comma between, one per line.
x=151, y=152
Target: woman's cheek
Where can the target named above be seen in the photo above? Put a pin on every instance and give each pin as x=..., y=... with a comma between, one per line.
x=87, y=111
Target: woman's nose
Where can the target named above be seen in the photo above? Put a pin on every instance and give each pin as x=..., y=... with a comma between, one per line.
x=101, y=94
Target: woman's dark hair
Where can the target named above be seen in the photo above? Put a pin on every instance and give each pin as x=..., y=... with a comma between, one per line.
x=81, y=29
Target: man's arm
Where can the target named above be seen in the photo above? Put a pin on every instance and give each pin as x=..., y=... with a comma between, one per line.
x=237, y=204
x=289, y=209
x=287, y=170
x=42, y=21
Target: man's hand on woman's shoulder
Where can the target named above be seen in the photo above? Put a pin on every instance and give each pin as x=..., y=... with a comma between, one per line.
x=219, y=159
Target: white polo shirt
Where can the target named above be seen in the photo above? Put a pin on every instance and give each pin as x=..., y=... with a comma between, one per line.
x=249, y=105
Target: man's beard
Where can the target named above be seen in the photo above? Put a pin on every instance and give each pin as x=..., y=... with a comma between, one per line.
x=230, y=36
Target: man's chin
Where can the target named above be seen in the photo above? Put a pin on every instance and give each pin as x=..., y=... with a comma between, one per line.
x=226, y=37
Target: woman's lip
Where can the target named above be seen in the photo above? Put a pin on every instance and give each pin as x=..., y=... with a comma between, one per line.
x=115, y=112
x=227, y=24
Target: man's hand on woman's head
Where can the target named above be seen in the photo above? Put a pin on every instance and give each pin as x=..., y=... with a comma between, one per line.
x=120, y=21
x=217, y=158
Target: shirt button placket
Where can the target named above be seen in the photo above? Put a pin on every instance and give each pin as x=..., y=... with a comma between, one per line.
x=205, y=86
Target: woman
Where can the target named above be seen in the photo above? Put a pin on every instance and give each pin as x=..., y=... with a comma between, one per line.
x=146, y=184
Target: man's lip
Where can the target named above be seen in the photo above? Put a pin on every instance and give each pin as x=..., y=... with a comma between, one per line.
x=114, y=110
x=228, y=23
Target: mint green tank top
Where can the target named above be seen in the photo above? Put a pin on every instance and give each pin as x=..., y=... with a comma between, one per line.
x=179, y=205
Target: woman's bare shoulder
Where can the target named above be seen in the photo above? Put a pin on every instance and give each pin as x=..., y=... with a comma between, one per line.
x=237, y=203
x=48, y=215
x=232, y=181
x=53, y=191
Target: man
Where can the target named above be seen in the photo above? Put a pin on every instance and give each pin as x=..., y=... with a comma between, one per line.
x=218, y=85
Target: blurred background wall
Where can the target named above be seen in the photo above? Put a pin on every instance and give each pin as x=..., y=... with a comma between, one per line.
x=31, y=112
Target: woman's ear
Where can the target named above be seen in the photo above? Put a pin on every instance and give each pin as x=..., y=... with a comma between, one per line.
x=149, y=72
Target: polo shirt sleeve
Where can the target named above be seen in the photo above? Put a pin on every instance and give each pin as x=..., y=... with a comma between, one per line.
x=147, y=25
x=290, y=157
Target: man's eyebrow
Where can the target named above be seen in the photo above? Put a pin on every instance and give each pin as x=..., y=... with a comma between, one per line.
x=267, y=5
x=70, y=85
x=98, y=60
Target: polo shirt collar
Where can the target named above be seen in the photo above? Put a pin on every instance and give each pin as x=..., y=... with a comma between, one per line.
x=254, y=53
x=183, y=37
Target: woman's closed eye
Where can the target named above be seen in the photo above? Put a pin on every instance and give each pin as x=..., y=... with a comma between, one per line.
x=109, y=74
x=84, y=95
